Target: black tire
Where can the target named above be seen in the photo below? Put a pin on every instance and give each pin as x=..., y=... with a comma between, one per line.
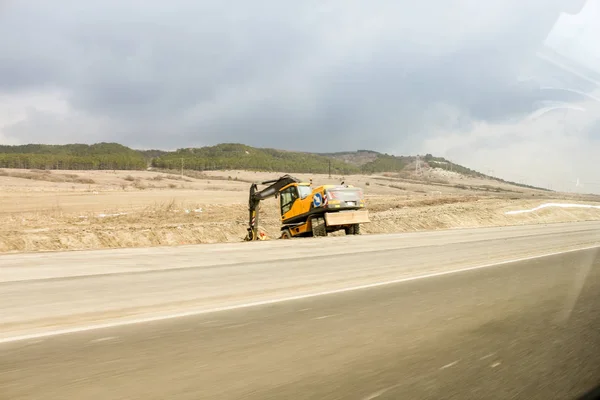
x=286, y=234
x=352, y=229
x=318, y=227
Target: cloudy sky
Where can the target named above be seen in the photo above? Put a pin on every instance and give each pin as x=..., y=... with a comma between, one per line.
x=456, y=78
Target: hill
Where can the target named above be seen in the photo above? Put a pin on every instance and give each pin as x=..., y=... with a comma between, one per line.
x=71, y=156
x=226, y=156
x=372, y=162
x=239, y=156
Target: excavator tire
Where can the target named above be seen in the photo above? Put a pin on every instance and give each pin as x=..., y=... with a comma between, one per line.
x=352, y=230
x=286, y=234
x=318, y=227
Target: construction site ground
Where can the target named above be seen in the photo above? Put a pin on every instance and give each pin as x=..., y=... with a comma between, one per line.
x=76, y=210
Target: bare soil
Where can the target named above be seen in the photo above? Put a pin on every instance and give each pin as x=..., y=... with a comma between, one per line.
x=75, y=210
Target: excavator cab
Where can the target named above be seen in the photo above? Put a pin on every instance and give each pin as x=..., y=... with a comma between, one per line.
x=293, y=200
x=287, y=197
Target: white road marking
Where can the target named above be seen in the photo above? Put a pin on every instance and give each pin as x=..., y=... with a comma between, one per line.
x=546, y=205
x=452, y=364
x=104, y=339
x=487, y=356
x=375, y=395
x=494, y=365
x=143, y=320
x=236, y=326
x=380, y=392
x=326, y=316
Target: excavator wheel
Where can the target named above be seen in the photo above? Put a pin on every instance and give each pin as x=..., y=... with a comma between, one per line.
x=286, y=234
x=318, y=227
x=353, y=229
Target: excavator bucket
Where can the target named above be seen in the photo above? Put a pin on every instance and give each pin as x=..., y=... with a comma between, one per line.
x=259, y=236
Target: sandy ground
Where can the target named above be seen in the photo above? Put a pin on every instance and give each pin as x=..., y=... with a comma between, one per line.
x=75, y=210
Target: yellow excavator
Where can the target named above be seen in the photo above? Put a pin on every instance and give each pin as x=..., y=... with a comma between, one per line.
x=308, y=211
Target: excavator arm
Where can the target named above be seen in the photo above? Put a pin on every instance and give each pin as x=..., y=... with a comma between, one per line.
x=256, y=196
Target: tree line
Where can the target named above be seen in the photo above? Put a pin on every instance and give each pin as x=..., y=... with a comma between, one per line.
x=75, y=149
x=239, y=156
x=102, y=156
x=71, y=162
x=384, y=163
x=293, y=164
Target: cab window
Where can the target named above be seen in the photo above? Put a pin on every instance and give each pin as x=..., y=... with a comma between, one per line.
x=287, y=198
x=304, y=191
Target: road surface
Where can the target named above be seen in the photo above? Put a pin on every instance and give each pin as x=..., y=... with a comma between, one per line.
x=421, y=316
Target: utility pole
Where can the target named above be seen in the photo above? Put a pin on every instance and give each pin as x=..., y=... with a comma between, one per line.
x=330, y=169
x=182, y=167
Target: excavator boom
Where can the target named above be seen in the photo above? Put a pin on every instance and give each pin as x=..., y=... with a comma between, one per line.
x=256, y=196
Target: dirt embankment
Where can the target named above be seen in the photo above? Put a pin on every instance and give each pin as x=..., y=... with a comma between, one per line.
x=119, y=209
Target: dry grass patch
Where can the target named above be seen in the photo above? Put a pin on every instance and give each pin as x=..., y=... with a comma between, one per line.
x=139, y=185
x=47, y=176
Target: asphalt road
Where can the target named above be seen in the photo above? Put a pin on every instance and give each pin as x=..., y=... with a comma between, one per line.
x=527, y=329
x=57, y=291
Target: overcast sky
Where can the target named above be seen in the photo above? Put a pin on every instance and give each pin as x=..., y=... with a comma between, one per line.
x=399, y=76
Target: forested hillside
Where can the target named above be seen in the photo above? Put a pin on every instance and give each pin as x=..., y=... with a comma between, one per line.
x=239, y=156
x=220, y=157
x=72, y=156
x=371, y=161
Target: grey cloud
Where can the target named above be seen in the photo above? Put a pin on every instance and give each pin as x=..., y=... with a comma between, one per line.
x=553, y=150
x=308, y=75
